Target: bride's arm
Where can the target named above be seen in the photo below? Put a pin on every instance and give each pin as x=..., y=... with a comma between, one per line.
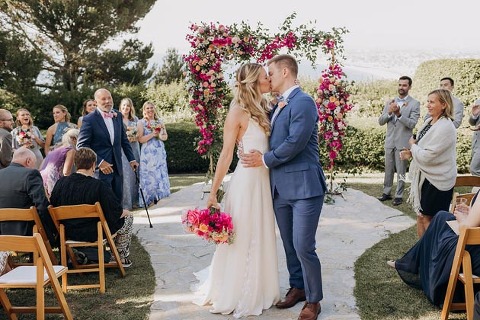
x=230, y=134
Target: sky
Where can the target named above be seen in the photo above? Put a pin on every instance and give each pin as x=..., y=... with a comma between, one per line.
x=373, y=24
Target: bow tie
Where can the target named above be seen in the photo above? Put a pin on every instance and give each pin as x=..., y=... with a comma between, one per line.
x=107, y=115
x=281, y=98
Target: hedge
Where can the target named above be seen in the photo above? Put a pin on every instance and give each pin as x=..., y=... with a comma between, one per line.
x=363, y=150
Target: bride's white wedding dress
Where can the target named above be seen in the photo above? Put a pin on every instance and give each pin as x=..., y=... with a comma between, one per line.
x=243, y=276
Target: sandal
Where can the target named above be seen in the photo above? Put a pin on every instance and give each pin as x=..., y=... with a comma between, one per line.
x=126, y=262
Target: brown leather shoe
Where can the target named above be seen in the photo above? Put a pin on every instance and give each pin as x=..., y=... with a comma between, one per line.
x=292, y=297
x=310, y=311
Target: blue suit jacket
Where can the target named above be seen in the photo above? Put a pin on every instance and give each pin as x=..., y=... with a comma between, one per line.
x=94, y=134
x=293, y=159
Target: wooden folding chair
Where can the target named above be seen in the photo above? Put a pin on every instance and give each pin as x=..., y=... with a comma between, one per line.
x=464, y=181
x=29, y=215
x=456, y=195
x=37, y=276
x=66, y=246
x=462, y=261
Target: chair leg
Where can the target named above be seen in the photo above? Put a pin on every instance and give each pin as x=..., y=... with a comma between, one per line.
x=7, y=306
x=468, y=285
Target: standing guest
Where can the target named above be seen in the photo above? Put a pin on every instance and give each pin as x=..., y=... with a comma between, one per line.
x=103, y=132
x=59, y=162
x=297, y=183
x=22, y=187
x=82, y=188
x=28, y=135
x=89, y=105
x=474, y=120
x=130, y=185
x=401, y=116
x=6, y=126
x=62, y=117
x=458, y=106
x=154, y=179
x=434, y=164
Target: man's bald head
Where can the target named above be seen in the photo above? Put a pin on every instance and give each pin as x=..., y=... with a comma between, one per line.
x=104, y=99
x=6, y=119
x=25, y=157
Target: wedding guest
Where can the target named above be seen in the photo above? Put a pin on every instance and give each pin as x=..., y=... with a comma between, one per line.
x=130, y=185
x=153, y=170
x=401, y=116
x=28, y=135
x=89, y=105
x=59, y=162
x=428, y=263
x=4, y=267
x=253, y=255
x=22, y=187
x=62, y=117
x=103, y=131
x=434, y=166
x=474, y=120
x=82, y=188
x=6, y=126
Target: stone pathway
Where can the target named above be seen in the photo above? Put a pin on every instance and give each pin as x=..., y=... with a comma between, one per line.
x=346, y=229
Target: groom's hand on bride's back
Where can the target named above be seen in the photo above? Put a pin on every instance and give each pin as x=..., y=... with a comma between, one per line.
x=251, y=159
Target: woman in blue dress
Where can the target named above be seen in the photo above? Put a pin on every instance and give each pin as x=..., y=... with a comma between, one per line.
x=153, y=158
x=62, y=124
x=427, y=264
x=130, y=185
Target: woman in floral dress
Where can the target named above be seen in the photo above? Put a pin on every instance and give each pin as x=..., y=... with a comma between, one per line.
x=153, y=158
x=28, y=135
x=130, y=185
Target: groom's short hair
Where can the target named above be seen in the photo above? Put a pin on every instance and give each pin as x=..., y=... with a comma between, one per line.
x=287, y=61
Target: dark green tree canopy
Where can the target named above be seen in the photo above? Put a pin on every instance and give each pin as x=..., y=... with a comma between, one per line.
x=74, y=39
x=171, y=69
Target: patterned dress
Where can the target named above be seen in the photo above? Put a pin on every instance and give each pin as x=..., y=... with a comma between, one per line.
x=52, y=167
x=130, y=185
x=154, y=180
x=20, y=137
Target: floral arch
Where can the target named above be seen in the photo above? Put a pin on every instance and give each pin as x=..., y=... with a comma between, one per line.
x=213, y=45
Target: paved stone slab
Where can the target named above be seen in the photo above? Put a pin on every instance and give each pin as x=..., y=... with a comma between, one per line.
x=346, y=229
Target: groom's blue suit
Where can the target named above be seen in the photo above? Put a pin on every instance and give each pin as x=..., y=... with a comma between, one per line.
x=298, y=187
x=94, y=134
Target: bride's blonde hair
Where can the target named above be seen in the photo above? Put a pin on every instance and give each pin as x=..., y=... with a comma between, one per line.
x=248, y=96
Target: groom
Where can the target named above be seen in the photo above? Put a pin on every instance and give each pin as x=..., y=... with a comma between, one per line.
x=297, y=182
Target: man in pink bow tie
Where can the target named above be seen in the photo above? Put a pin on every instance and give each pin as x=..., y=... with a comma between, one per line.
x=103, y=132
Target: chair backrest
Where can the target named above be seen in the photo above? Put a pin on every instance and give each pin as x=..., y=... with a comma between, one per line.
x=467, y=181
x=461, y=261
x=456, y=196
x=29, y=215
x=45, y=273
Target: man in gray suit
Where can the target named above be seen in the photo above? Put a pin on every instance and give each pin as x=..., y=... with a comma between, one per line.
x=474, y=120
x=401, y=116
x=6, y=125
x=447, y=83
x=22, y=187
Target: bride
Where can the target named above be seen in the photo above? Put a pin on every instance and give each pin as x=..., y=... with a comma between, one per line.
x=243, y=276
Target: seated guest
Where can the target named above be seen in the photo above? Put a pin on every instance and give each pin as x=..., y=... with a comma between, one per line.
x=22, y=187
x=427, y=264
x=82, y=188
x=4, y=267
x=59, y=162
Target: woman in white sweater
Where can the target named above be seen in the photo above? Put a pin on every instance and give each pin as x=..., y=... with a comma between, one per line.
x=434, y=166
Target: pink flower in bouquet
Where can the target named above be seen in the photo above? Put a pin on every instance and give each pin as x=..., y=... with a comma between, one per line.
x=210, y=224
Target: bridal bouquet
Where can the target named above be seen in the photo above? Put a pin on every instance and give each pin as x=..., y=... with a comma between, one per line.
x=210, y=224
x=132, y=133
x=157, y=127
x=24, y=138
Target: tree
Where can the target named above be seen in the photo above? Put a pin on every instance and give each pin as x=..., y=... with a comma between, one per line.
x=171, y=69
x=73, y=38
